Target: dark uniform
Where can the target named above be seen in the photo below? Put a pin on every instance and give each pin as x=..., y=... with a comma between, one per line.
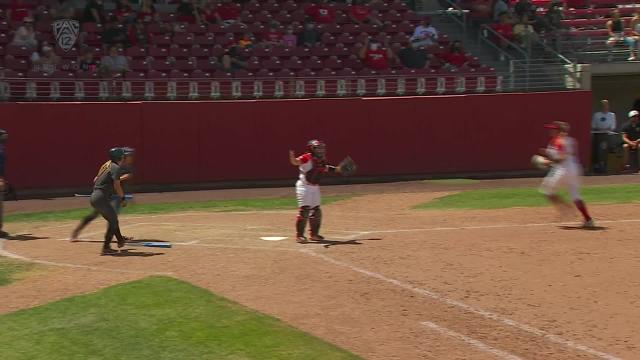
x=3, y=138
x=101, y=202
x=115, y=202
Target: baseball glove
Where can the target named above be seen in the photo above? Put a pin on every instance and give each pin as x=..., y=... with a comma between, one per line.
x=348, y=166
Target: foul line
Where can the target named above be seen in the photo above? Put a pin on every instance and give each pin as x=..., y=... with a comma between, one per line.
x=473, y=342
x=484, y=313
x=9, y=254
x=496, y=226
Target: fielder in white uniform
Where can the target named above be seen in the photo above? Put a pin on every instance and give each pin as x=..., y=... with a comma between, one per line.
x=312, y=166
x=564, y=169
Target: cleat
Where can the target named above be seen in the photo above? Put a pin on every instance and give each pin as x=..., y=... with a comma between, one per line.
x=588, y=224
x=302, y=240
x=317, y=237
x=122, y=242
x=108, y=251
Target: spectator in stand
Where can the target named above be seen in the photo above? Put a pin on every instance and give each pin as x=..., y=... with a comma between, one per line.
x=309, y=36
x=456, y=57
x=63, y=9
x=113, y=33
x=18, y=10
x=231, y=60
x=114, y=64
x=94, y=12
x=147, y=12
x=424, y=34
x=413, y=58
x=505, y=29
x=631, y=135
x=615, y=27
x=47, y=61
x=246, y=41
x=374, y=56
x=138, y=35
x=227, y=13
x=360, y=14
x=524, y=7
x=501, y=7
x=634, y=39
x=553, y=17
x=273, y=36
x=87, y=62
x=26, y=35
x=188, y=11
x=124, y=12
x=523, y=32
x=322, y=13
x=289, y=39
x=604, y=120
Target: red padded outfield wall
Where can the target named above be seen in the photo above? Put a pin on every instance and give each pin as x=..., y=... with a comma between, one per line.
x=54, y=145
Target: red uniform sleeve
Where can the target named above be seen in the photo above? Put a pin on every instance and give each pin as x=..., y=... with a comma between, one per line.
x=305, y=158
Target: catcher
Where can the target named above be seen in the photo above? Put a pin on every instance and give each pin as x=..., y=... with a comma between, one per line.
x=313, y=166
x=123, y=157
x=561, y=156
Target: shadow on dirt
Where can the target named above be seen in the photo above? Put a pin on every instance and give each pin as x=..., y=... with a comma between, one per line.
x=593, y=228
x=328, y=243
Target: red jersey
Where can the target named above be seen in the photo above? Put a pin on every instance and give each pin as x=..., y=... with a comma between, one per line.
x=322, y=14
x=359, y=12
x=272, y=36
x=312, y=169
x=228, y=12
x=376, y=59
x=456, y=59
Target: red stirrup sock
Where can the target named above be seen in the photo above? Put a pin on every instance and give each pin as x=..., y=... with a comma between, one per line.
x=583, y=209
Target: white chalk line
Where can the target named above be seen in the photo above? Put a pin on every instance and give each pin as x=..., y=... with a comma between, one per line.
x=484, y=313
x=494, y=226
x=473, y=342
x=12, y=255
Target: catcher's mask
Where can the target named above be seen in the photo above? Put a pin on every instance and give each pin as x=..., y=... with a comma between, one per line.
x=317, y=148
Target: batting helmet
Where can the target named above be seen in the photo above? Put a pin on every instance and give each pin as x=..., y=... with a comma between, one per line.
x=116, y=154
x=317, y=148
x=3, y=134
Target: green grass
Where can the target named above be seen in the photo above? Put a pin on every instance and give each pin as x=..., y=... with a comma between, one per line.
x=451, y=181
x=155, y=318
x=162, y=208
x=529, y=197
x=12, y=270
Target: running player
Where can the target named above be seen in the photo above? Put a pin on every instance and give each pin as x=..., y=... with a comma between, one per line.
x=127, y=173
x=565, y=170
x=108, y=181
x=312, y=166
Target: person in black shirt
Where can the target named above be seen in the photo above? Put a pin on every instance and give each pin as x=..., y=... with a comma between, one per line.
x=87, y=61
x=113, y=34
x=631, y=135
x=413, y=58
x=94, y=12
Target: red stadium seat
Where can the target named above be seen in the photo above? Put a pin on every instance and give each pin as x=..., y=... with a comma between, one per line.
x=13, y=63
x=333, y=63
x=18, y=51
x=183, y=39
x=161, y=40
x=199, y=52
x=293, y=64
x=273, y=64
x=158, y=52
x=197, y=29
x=179, y=52
x=313, y=64
x=136, y=52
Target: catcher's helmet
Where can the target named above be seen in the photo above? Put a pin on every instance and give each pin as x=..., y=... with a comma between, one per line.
x=126, y=151
x=317, y=148
x=116, y=154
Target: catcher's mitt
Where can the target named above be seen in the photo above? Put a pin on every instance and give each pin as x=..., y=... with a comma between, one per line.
x=348, y=166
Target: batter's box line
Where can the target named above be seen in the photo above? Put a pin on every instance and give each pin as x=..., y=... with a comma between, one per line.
x=12, y=255
x=471, y=341
x=475, y=310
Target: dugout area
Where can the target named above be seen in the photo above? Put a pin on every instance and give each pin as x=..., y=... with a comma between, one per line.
x=389, y=283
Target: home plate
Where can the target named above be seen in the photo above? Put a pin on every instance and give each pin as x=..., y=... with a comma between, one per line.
x=273, y=238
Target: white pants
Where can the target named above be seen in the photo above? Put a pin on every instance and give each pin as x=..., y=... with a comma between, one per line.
x=307, y=195
x=559, y=176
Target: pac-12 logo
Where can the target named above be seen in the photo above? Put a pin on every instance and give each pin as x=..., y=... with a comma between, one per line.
x=66, y=32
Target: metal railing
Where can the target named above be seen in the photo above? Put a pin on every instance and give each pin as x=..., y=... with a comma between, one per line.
x=491, y=38
x=122, y=89
x=545, y=74
x=590, y=49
